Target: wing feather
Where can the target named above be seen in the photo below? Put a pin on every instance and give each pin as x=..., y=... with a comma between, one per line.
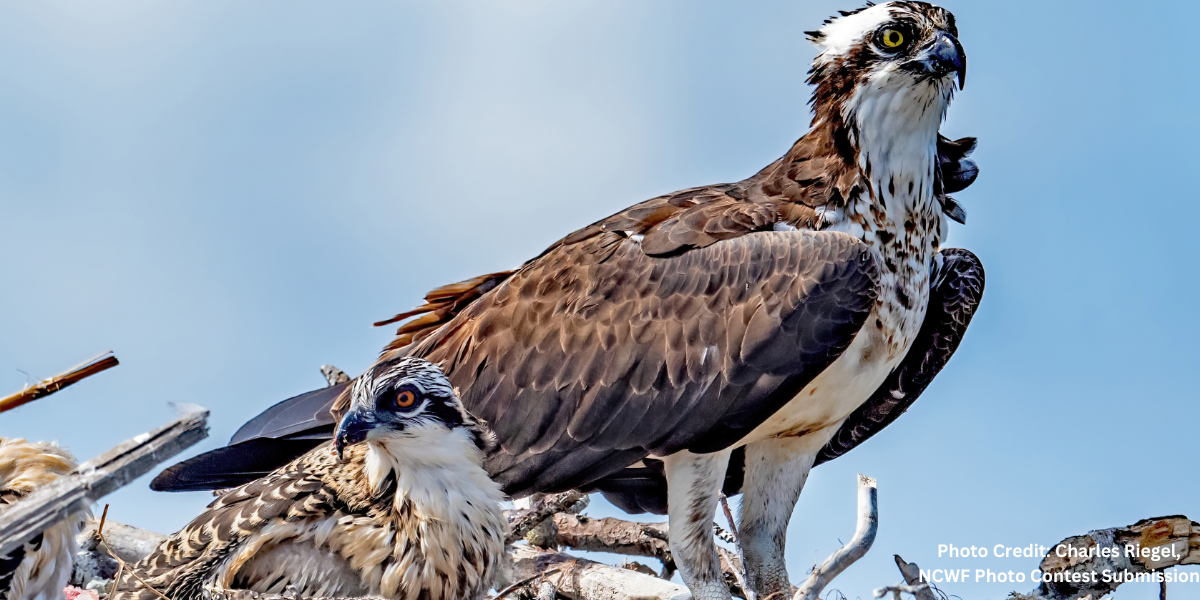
x=642, y=369
x=956, y=294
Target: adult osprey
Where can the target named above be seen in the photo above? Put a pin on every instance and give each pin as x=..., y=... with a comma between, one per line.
x=403, y=509
x=728, y=336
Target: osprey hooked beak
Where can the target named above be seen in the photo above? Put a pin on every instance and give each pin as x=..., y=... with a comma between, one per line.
x=355, y=428
x=945, y=55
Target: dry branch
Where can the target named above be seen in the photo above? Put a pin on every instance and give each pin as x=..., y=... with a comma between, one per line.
x=912, y=576
x=520, y=522
x=581, y=579
x=864, y=536
x=100, y=363
x=627, y=538
x=1168, y=542
x=98, y=477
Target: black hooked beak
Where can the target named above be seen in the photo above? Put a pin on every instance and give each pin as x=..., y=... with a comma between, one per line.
x=946, y=55
x=353, y=429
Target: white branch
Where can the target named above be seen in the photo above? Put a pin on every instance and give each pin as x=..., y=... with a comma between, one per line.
x=581, y=579
x=97, y=478
x=864, y=536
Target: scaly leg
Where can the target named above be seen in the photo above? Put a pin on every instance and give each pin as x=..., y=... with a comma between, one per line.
x=693, y=488
x=776, y=470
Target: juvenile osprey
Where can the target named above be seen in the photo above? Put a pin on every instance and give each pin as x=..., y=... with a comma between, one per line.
x=402, y=509
x=39, y=570
x=721, y=337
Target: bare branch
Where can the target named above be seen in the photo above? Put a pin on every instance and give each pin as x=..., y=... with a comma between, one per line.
x=739, y=569
x=902, y=588
x=864, y=536
x=912, y=576
x=521, y=521
x=97, y=478
x=586, y=580
x=1158, y=544
x=100, y=363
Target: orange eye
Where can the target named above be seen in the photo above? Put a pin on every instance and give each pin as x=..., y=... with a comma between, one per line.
x=405, y=399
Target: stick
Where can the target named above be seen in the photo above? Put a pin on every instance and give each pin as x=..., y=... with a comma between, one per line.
x=586, y=580
x=521, y=521
x=902, y=588
x=864, y=536
x=1170, y=541
x=739, y=570
x=100, y=363
x=122, y=566
x=528, y=580
x=97, y=478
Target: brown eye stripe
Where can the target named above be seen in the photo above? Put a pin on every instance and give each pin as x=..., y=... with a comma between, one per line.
x=405, y=399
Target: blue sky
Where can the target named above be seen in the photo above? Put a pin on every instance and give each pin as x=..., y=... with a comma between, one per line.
x=228, y=194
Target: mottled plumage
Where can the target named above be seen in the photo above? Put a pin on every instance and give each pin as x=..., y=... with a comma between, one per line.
x=407, y=513
x=38, y=570
x=726, y=336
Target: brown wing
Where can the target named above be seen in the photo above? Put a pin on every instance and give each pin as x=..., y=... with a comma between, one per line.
x=954, y=296
x=957, y=290
x=595, y=355
x=440, y=306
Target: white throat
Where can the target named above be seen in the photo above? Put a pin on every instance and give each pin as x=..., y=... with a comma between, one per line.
x=436, y=471
x=896, y=123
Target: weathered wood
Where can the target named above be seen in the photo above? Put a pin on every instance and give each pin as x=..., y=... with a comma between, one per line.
x=522, y=521
x=580, y=579
x=912, y=576
x=1168, y=541
x=130, y=544
x=864, y=536
x=99, y=477
x=44, y=388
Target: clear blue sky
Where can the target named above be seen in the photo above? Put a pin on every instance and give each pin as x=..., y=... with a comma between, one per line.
x=228, y=194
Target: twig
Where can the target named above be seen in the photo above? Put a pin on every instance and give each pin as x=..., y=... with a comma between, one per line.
x=103, y=362
x=902, y=588
x=588, y=580
x=121, y=563
x=864, y=536
x=739, y=571
x=729, y=518
x=97, y=478
x=524, y=582
x=521, y=521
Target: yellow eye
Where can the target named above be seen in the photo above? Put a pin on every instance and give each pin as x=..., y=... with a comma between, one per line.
x=405, y=399
x=893, y=38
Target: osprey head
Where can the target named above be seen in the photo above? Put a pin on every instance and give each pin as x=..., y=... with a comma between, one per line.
x=916, y=39
x=892, y=64
x=407, y=399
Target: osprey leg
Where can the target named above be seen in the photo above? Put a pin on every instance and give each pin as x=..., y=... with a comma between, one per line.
x=693, y=489
x=776, y=470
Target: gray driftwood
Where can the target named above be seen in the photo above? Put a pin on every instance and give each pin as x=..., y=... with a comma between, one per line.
x=1177, y=535
x=99, y=477
x=582, y=579
x=856, y=548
